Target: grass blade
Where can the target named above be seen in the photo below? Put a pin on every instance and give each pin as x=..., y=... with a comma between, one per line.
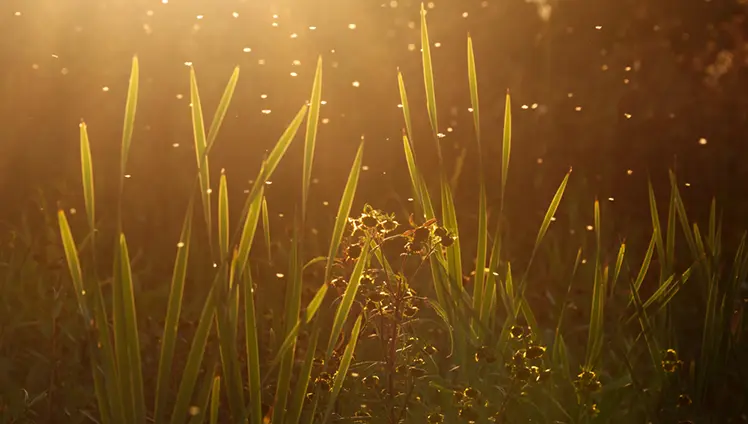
x=173, y=312
x=312, y=124
x=344, y=210
x=248, y=231
x=223, y=217
x=473, y=83
x=129, y=124
x=198, y=131
x=342, y=373
x=482, y=242
x=302, y=383
x=194, y=360
x=428, y=78
x=549, y=214
x=253, y=349
x=215, y=399
x=73, y=262
x=266, y=228
x=506, y=149
x=344, y=308
x=131, y=328
x=595, y=334
x=223, y=106
x=87, y=176
x=292, y=309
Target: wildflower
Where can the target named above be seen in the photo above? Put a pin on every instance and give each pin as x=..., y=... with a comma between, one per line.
x=684, y=400
x=470, y=393
x=435, y=418
x=429, y=350
x=535, y=352
x=517, y=332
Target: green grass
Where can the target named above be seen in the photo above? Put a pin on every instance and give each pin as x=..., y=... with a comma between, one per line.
x=443, y=353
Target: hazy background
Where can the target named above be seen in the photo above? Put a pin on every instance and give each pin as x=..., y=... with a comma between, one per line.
x=618, y=90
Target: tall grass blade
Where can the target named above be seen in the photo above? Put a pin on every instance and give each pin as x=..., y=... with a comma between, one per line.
x=342, y=372
x=482, y=242
x=201, y=407
x=129, y=123
x=194, y=360
x=215, y=399
x=344, y=210
x=87, y=176
x=173, y=312
x=223, y=217
x=305, y=373
x=659, y=243
x=454, y=255
x=292, y=309
x=506, y=149
x=198, y=130
x=248, y=230
x=73, y=262
x=312, y=124
x=220, y=114
x=266, y=228
x=344, y=308
x=595, y=334
x=549, y=214
x=134, y=366
x=428, y=78
x=253, y=349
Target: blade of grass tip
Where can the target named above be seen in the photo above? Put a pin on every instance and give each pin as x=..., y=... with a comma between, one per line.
x=198, y=131
x=272, y=160
x=87, y=176
x=253, y=350
x=292, y=310
x=342, y=372
x=305, y=373
x=194, y=360
x=506, y=150
x=344, y=210
x=220, y=114
x=248, y=230
x=419, y=192
x=549, y=214
x=266, y=228
x=473, y=83
x=428, y=79
x=215, y=399
x=344, y=308
x=657, y=232
x=73, y=262
x=617, y=270
x=133, y=341
x=644, y=267
x=405, y=104
x=173, y=312
x=223, y=217
x=129, y=124
x=595, y=331
x=310, y=141
x=683, y=217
